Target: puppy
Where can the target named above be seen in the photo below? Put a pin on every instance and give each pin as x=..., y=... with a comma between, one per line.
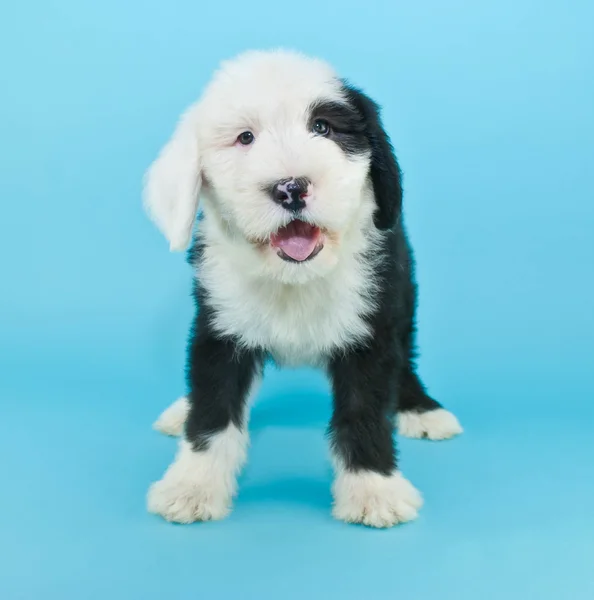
x=300, y=256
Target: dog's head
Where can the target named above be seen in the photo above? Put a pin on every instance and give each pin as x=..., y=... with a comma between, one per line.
x=290, y=161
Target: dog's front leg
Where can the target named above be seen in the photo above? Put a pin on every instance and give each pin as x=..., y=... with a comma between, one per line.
x=202, y=481
x=368, y=488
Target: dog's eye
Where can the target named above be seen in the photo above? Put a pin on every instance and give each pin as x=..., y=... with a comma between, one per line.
x=321, y=127
x=245, y=138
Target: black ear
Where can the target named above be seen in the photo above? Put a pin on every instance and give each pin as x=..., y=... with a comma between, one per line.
x=384, y=171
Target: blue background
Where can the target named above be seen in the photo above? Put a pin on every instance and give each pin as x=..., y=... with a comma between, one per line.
x=491, y=108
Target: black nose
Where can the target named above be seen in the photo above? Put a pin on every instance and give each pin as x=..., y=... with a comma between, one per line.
x=291, y=193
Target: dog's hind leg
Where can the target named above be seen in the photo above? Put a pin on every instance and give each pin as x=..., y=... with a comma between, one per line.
x=172, y=420
x=419, y=415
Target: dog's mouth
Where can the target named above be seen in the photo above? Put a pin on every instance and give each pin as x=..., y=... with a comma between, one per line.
x=297, y=242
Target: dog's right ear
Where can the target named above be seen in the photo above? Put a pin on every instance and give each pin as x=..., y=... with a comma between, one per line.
x=172, y=183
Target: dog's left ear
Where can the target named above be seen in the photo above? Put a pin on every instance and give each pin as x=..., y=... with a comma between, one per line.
x=384, y=171
x=172, y=183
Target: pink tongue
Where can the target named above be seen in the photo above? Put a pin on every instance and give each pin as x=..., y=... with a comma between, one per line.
x=297, y=240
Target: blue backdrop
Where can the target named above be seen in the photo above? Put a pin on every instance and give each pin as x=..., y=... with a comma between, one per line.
x=491, y=108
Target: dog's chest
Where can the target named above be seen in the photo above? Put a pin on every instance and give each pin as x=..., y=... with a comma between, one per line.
x=297, y=324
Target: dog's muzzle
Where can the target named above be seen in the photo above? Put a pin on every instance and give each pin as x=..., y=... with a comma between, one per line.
x=298, y=241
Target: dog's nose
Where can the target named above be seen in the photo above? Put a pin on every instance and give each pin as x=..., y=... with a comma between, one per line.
x=292, y=193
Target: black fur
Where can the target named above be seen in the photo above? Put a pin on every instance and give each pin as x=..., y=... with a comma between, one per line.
x=347, y=125
x=219, y=376
x=357, y=128
x=384, y=171
x=370, y=381
x=374, y=380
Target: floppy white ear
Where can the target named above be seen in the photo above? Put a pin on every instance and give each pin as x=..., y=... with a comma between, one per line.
x=172, y=184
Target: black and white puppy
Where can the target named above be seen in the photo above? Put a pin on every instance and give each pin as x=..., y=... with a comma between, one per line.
x=300, y=256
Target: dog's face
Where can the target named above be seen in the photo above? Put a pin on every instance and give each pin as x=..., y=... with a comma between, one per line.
x=291, y=164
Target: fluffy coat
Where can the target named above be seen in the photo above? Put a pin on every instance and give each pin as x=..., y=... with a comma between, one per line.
x=300, y=256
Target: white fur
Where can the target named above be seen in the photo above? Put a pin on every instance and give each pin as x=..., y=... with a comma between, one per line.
x=299, y=312
x=171, y=421
x=200, y=485
x=297, y=323
x=267, y=93
x=439, y=424
x=172, y=184
x=373, y=499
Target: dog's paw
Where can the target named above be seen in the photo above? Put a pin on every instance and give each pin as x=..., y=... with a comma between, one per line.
x=439, y=424
x=183, y=501
x=192, y=489
x=172, y=420
x=375, y=500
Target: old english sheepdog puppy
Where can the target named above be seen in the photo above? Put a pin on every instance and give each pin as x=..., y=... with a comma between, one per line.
x=300, y=256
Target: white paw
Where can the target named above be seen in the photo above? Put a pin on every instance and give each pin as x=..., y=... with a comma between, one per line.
x=181, y=500
x=200, y=486
x=439, y=424
x=172, y=420
x=375, y=500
